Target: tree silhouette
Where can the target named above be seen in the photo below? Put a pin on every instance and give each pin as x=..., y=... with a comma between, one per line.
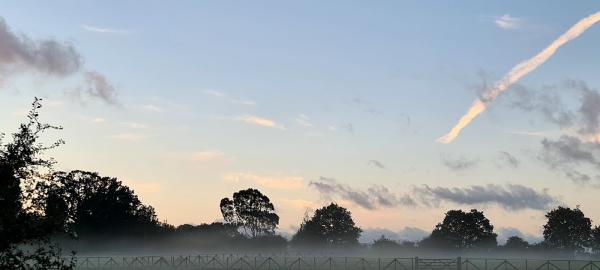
x=22, y=165
x=462, y=230
x=331, y=225
x=251, y=210
x=96, y=205
x=516, y=243
x=384, y=243
x=567, y=229
x=595, y=243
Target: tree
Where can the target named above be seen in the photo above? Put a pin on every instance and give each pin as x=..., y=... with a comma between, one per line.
x=330, y=225
x=462, y=230
x=94, y=205
x=251, y=210
x=516, y=243
x=595, y=243
x=24, y=233
x=384, y=243
x=567, y=229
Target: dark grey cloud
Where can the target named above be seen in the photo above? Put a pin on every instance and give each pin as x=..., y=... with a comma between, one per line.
x=97, y=85
x=377, y=164
x=510, y=197
x=575, y=108
x=20, y=53
x=48, y=56
x=509, y=159
x=546, y=101
x=569, y=150
x=458, y=164
x=374, y=197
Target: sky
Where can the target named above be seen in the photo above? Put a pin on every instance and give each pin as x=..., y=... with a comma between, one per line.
x=311, y=102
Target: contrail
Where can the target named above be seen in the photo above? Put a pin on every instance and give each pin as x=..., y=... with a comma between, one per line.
x=518, y=72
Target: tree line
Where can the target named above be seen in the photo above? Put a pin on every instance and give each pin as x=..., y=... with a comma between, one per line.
x=41, y=206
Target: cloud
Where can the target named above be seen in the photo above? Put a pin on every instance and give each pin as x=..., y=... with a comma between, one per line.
x=458, y=164
x=303, y=120
x=575, y=108
x=569, y=150
x=259, y=121
x=267, y=181
x=99, y=87
x=510, y=196
x=20, y=53
x=377, y=164
x=151, y=108
x=47, y=56
x=219, y=94
x=509, y=159
x=508, y=22
x=374, y=197
x=517, y=73
x=96, y=29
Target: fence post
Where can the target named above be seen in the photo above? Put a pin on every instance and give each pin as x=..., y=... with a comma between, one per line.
x=379, y=263
x=416, y=259
x=458, y=263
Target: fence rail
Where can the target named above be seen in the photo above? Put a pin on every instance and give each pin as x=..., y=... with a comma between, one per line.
x=216, y=262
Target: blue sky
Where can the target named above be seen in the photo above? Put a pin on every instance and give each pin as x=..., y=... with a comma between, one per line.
x=215, y=96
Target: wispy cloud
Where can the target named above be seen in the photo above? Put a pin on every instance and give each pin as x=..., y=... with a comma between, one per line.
x=303, y=120
x=508, y=22
x=222, y=95
x=151, y=108
x=377, y=164
x=458, y=164
x=508, y=159
x=102, y=30
x=259, y=121
x=276, y=181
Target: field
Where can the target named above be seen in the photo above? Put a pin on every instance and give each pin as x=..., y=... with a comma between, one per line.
x=235, y=262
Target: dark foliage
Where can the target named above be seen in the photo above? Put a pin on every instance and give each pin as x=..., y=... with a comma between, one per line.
x=567, y=229
x=516, y=243
x=330, y=225
x=462, y=230
x=24, y=232
x=97, y=206
x=251, y=210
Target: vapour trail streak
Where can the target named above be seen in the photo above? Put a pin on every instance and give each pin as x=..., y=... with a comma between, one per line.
x=516, y=73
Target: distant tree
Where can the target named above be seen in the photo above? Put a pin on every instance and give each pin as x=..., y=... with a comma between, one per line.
x=94, y=205
x=251, y=210
x=331, y=225
x=595, y=243
x=384, y=243
x=567, y=229
x=462, y=230
x=516, y=243
x=24, y=233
